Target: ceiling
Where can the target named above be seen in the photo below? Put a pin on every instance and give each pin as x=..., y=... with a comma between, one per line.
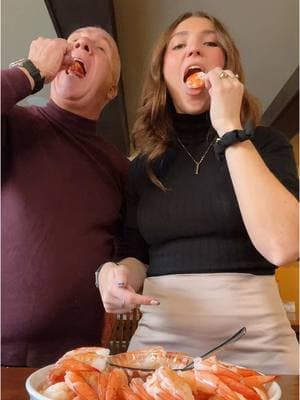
x=265, y=31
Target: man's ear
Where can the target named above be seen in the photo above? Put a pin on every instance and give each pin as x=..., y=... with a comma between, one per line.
x=113, y=91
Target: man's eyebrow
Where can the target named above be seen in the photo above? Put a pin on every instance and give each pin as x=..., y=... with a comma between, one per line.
x=185, y=33
x=107, y=40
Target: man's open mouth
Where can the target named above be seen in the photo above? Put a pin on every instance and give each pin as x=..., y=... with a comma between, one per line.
x=77, y=68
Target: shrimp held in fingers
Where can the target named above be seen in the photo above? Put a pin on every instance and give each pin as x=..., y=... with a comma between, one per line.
x=196, y=80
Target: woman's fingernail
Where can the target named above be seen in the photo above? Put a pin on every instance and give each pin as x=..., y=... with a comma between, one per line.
x=154, y=303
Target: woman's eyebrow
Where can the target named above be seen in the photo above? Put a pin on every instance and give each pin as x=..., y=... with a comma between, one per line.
x=185, y=33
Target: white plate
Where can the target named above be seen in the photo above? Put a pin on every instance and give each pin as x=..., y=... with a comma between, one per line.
x=36, y=380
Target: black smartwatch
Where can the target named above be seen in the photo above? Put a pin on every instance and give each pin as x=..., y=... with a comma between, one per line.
x=230, y=138
x=33, y=71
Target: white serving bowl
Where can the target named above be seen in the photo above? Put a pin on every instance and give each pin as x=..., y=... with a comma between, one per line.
x=36, y=380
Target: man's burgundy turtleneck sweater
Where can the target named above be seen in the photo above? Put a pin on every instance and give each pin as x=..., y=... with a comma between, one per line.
x=62, y=195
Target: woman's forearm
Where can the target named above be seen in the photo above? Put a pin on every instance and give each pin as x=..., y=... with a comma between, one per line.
x=269, y=210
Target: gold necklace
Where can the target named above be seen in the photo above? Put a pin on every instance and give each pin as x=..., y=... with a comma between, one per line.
x=197, y=163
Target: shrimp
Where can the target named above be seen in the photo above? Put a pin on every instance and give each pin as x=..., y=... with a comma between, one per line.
x=242, y=381
x=81, y=359
x=196, y=80
x=165, y=384
x=211, y=364
x=137, y=386
x=102, y=384
x=79, y=386
x=57, y=373
x=94, y=356
x=190, y=379
x=58, y=391
x=240, y=387
x=92, y=378
x=210, y=383
x=116, y=380
x=128, y=394
x=150, y=357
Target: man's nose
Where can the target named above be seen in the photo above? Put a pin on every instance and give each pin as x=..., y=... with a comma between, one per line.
x=84, y=44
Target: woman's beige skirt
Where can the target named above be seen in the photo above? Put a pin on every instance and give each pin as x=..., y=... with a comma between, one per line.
x=198, y=311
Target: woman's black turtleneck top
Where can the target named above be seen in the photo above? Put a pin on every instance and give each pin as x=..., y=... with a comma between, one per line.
x=195, y=226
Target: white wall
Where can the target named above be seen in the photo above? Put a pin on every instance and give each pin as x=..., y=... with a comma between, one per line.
x=21, y=22
x=266, y=32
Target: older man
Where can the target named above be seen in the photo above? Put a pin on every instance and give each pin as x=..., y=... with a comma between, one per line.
x=62, y=196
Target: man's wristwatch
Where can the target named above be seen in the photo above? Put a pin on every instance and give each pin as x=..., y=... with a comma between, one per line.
x=33, y=71
x=230, y=138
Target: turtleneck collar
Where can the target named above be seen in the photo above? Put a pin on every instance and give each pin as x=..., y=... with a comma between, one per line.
x=191, y=128
x=69, y=121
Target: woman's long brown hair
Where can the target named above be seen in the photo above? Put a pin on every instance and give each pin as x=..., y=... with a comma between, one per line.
x=151, y=134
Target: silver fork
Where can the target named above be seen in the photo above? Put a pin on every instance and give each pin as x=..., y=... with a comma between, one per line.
x=231, y=339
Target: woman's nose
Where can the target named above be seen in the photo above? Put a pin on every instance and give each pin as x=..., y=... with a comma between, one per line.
x=194, y=48
x=84, y=44
x=194, y=51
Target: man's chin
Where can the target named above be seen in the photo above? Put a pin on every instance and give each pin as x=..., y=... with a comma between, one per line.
x=67, y=92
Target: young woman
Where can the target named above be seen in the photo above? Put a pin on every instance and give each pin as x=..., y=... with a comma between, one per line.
x=212, y=208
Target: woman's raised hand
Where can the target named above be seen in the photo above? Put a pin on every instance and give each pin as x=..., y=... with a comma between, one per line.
x=226, y=94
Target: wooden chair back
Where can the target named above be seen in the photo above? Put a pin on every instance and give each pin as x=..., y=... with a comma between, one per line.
x=118, y=330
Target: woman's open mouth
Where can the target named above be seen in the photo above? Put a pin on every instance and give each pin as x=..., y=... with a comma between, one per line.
x=194, y=77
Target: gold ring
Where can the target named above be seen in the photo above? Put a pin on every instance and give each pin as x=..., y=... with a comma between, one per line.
x=223, y=75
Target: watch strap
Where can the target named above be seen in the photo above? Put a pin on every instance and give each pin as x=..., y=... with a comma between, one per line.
x=230, y=138
x=33, y=71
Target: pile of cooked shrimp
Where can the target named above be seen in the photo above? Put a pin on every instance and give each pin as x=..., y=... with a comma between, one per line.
x=85, y=374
